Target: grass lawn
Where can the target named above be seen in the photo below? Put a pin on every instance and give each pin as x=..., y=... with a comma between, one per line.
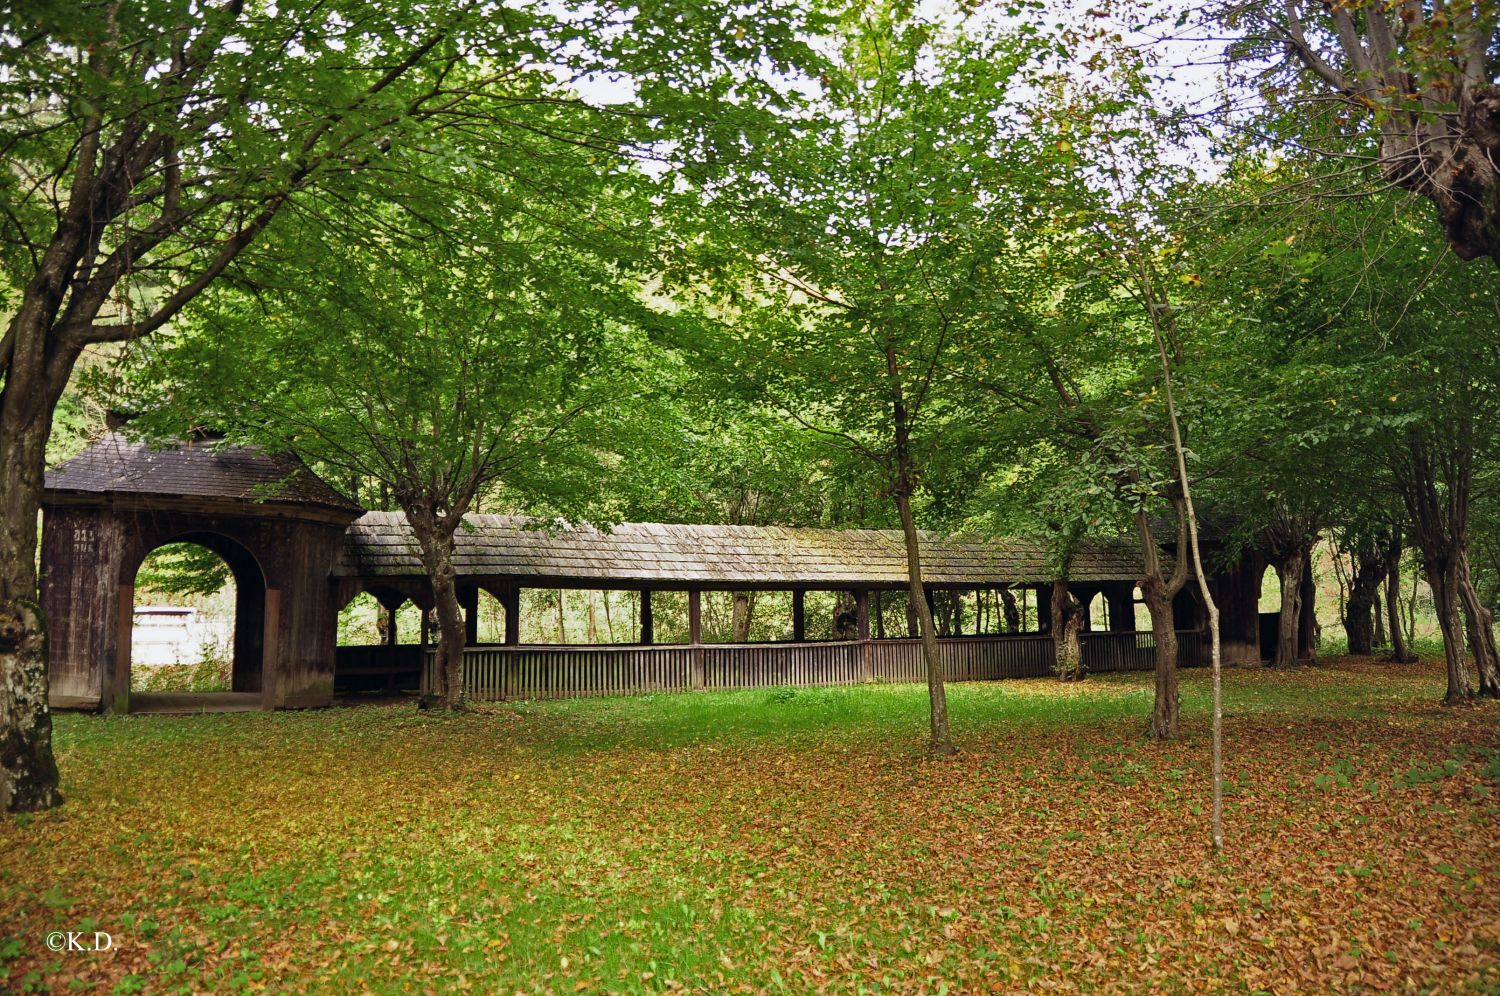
x=777, y=840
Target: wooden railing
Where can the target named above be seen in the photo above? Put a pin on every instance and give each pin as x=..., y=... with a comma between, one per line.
x=494, y=673
x=377, y=666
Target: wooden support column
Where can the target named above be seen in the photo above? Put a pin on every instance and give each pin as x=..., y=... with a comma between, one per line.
x=648, y=625
x=862, y=624
x=117, y=694
x=695, y=634
x=1121, y=599
x=424, y=680
x=510, y=600
x=271, y=669
x=390, y=626
x=468, y=600
x=799, y=616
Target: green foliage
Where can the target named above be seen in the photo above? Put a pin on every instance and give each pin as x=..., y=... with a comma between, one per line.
x=183, y=569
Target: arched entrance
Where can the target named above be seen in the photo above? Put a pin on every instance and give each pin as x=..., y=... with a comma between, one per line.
x=246, y=642
x=278, y=528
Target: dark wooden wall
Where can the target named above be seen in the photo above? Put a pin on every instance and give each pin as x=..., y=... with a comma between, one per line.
x=286, y=618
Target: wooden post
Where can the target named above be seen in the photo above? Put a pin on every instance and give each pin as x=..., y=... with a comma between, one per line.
x=695, y=634
x=648, y=625
x=117, y=697
x=510, y=601
x=468, y=600
x=879, y=618
x=390, y=626
x=799, y=616
x=422, y=652
x=862, y=628
x=270, y=660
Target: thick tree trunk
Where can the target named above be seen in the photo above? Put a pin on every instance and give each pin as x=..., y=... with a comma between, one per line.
x=1157, y=593
x=1442, y=578
x=1364, y=591
x=1164, y=714
x=1067, y=623
x=28, y=771
x=740, y=616
x=1290, y=572
x=1012, y=612
x=846, y=617
x=1400, y=653
x=942, y=738
x=435, y=537
x=1481, y=626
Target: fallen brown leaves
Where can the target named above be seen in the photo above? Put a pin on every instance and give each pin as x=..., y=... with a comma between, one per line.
x=580, y=847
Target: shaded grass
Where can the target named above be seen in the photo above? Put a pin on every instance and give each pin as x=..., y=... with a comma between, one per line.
x=776, y=840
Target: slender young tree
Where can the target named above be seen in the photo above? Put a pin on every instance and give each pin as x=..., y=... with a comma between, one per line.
x=849, y=245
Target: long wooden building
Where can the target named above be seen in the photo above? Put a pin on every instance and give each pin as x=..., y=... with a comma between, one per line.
x=299, y=552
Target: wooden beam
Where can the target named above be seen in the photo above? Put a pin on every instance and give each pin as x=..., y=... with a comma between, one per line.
x=271, y=670
x=117, y=692
x=390, y=626
x=862, y=627
x=511, y=602
x=695, y=634
x=648, y=624
x=799, y=616
x=468, y=599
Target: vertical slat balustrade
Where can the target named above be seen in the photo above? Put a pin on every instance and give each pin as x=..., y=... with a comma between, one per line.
x=497, y=673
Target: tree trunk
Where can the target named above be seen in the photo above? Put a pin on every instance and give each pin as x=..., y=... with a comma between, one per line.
x=1067, y=623
x=1156, y=593
x=1364, y=590
x=845, y=617
x=435, y=538
x=28, y=771
x=1400, y=653
x=1443, y=580
x=937, y=695
x=1381, y=639
x=1012, y=612
x=1288, y=625
x=1481, y=631
x=1164, y=714
x=740, y=616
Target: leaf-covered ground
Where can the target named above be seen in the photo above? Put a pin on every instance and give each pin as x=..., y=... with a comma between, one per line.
x=777, y=840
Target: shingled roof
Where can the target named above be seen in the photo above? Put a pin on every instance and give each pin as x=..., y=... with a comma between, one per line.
x=193, y=469
x=380, y=544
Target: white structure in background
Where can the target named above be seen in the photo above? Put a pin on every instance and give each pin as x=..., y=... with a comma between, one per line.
x=172, y=634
